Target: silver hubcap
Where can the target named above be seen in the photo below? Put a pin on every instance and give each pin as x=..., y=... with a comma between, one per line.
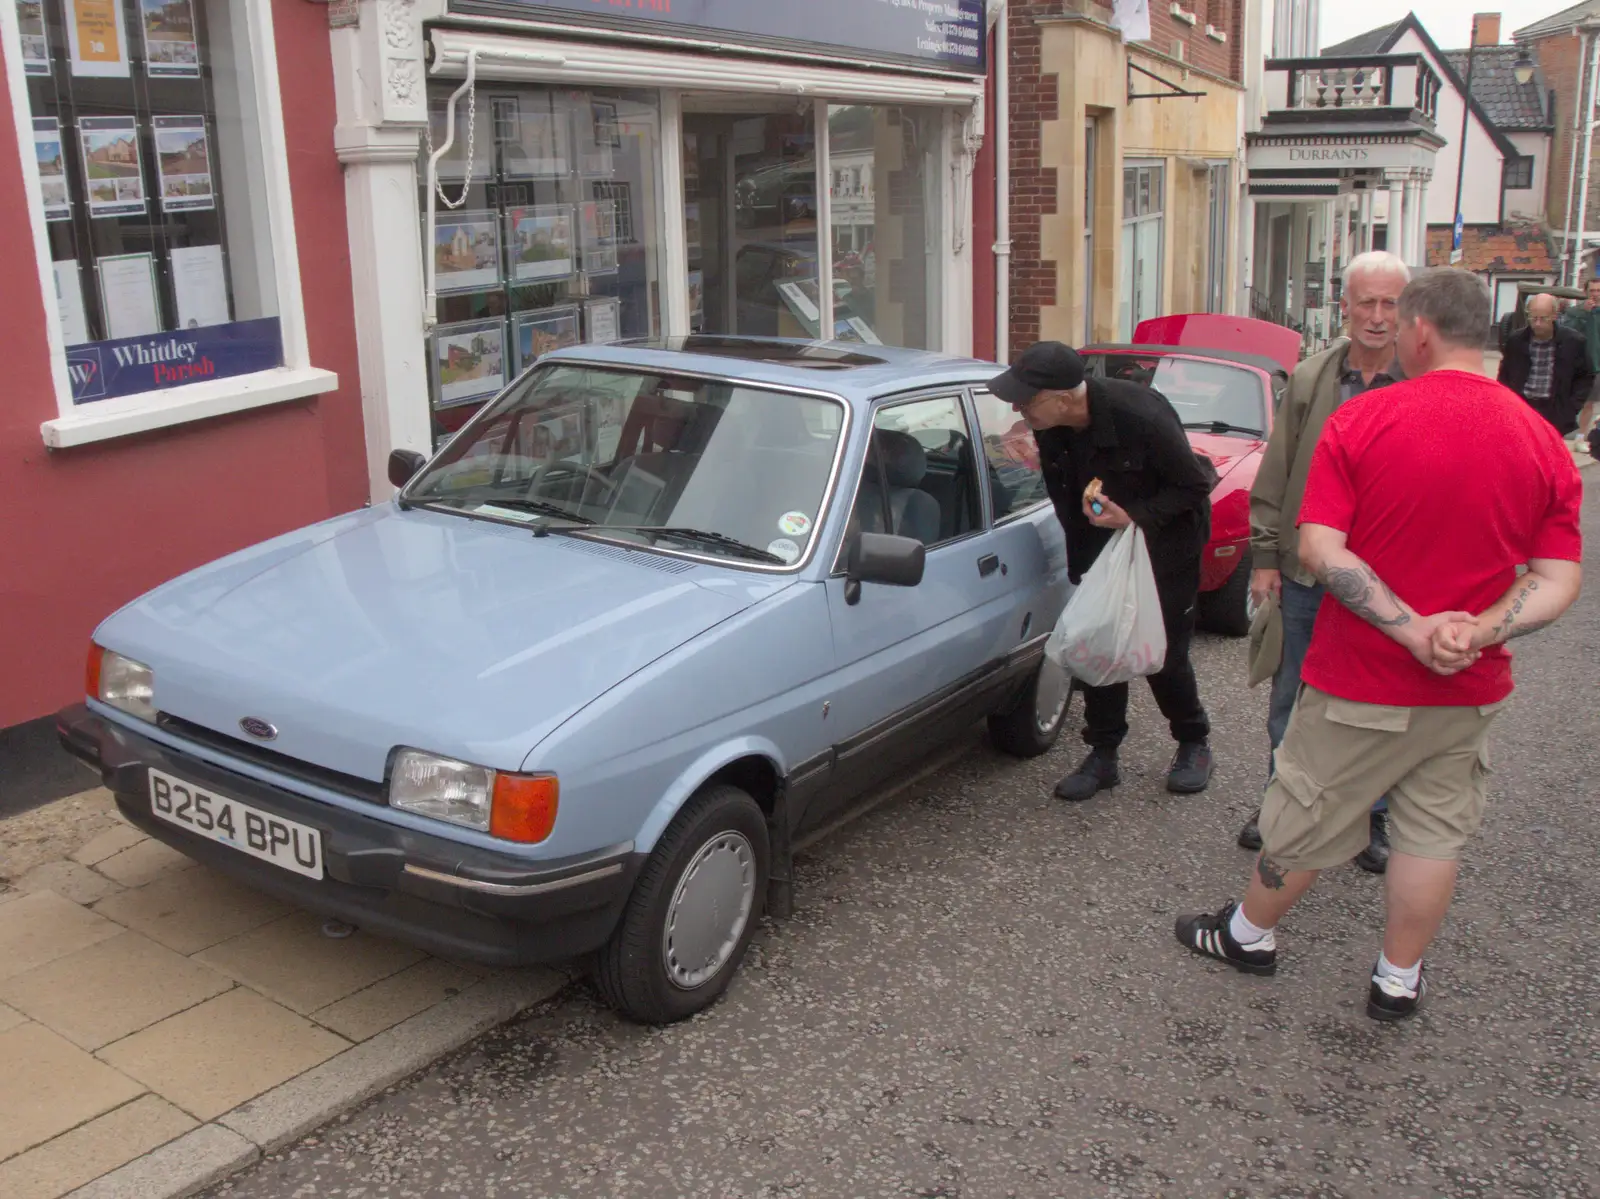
x=1050, y=696
x=709, y=910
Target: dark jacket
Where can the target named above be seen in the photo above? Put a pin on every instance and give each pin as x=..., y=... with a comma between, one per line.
x=1570, y=379
x=1585, y=322
x=1135, y=445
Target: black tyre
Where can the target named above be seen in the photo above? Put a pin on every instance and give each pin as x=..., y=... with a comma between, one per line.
x=1033, y=723
x=692, y=913
x=1227, y=609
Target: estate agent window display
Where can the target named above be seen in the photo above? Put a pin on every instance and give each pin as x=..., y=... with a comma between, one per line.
x=134, y=151
x=545, y=232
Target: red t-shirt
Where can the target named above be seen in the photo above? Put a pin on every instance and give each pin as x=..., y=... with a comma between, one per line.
x=1444, y=484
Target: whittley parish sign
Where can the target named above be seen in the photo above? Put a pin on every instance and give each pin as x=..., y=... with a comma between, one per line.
x=948, y=34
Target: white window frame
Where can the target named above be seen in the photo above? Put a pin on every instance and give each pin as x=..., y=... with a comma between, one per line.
x=1158, y=218
x=510, y=58
x=80, y=424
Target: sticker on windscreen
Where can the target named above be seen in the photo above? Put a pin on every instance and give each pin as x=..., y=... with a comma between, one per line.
x=504, y=513
x=795, y=524
x=785, y=549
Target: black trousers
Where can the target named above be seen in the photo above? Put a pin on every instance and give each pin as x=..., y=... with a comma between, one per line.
x=1177, y=694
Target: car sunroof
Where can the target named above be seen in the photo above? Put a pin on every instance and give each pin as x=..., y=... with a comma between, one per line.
x=810, y=355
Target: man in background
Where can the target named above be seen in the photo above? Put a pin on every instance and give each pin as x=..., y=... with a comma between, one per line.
x=1584, y=319
x=1547, y=364
x=1419, y=539
x=1371, y=290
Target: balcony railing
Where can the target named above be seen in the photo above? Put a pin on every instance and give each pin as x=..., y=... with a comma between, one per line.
x=1355, y=85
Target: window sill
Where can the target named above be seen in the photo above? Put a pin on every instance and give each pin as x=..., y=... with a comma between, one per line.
x=106, y=419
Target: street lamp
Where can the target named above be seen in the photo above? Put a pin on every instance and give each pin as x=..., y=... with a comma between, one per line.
x=1522, y=69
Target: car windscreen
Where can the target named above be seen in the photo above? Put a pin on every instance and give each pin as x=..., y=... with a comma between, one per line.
x=681, y=463
x=1207, y=395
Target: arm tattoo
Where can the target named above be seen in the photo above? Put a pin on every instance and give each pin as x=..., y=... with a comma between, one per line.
x=1355, y=588
x=1509, y=627
x=1270, y=873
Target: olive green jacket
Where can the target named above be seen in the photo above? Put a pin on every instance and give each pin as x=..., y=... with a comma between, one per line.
x=1587, y=322
x=1280, y=484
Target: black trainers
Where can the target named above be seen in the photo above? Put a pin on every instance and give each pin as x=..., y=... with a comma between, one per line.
x=1250, y=834
x=1097, y=773
x=1374, y=859
x=1190, y=772
x=1208, y=934
x=1390, y=999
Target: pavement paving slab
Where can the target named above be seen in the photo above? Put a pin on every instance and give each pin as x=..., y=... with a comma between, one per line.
x=149, y=983
x=90, y=1150
x=39, y=928
x=214, y=1056
x=143, y=862
x=48, y=1086
x=191, y=910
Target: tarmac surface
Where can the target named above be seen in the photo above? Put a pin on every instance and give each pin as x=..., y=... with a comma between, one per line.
x=980, y=996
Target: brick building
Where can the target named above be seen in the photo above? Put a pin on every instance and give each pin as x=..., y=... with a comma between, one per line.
x=1125, y=166
x=1565, y=48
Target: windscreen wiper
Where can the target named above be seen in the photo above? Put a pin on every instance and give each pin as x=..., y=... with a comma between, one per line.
x=1221, y=426
x=522, y=504
x=705, y=536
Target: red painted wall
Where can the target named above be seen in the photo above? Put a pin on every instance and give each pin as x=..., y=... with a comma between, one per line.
x=85, y=530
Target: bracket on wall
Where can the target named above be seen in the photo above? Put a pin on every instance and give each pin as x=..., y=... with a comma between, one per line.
x=1173, y=90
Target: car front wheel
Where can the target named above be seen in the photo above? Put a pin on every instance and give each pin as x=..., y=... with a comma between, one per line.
x=1033, y=723
x=692, y=912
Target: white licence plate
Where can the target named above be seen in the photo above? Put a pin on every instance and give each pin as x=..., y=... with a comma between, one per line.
x=284, y=843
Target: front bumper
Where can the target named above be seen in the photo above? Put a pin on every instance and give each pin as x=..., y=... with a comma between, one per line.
x=443, y=896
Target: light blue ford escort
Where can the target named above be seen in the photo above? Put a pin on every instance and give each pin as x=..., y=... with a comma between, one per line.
x=654, y=614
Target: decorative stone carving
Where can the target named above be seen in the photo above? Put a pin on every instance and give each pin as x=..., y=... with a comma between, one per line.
x=398, y=47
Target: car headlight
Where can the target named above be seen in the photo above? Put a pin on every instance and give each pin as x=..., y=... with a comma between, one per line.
x=513, y=807
x=126, y=685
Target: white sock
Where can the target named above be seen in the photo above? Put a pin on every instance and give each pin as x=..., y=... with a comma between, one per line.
x=1247, y=934
x=1408, y=975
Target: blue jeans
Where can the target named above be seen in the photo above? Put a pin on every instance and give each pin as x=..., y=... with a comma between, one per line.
x=1298, y=604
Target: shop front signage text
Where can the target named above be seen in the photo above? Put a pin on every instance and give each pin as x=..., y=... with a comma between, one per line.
x=1328, y=154
x=949, y=34
x=103, y=370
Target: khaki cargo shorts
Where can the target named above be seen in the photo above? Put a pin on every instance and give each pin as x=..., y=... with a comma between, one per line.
x=1339, y=756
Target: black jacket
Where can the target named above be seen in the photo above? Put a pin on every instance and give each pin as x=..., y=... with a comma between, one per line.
x=1135, y=445
x=1570, y=379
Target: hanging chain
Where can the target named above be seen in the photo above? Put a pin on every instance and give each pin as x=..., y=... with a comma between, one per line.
x=472, y=131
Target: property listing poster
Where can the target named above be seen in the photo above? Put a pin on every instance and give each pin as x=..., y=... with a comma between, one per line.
x=170, y=48
x=200, y=286
x=183, y=159
x=111, y=165
x=35, y=41
x=97, y=41
x=52, y=169
x=69, y=295
x=128, y=295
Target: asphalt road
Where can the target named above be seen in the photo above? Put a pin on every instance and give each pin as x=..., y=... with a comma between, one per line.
x=980, y=996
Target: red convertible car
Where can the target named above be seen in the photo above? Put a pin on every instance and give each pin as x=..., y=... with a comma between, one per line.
x=1225, y=375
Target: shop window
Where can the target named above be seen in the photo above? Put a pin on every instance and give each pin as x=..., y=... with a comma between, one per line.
x=151, y=166
x=1143, y=234
x=1518, y=174
x=546, y=232
x=1016, y=482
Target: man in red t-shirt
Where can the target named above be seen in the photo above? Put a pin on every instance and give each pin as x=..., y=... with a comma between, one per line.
x=1422, y=502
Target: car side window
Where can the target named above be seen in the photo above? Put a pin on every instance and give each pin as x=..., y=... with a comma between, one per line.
x=1016, y=481
x=920, y=478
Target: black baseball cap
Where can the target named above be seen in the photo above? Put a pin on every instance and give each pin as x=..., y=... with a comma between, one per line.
x=1043, y=366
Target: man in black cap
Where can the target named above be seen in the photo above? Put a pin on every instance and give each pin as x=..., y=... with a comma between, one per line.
x=1131, y=440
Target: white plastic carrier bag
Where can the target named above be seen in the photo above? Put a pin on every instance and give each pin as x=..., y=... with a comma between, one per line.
x=1111, y=630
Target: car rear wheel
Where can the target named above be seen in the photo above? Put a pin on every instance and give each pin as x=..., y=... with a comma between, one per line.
x=1227, y=609
x=1034, y=722
x=692, y=912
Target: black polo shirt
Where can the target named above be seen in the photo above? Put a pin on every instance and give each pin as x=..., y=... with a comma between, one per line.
x=1135, y=445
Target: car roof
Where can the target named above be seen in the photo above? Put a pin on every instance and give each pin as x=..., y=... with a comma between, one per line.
x=1259, y=361
x=852, y=370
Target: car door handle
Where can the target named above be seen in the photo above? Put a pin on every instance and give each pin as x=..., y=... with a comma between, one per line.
x=988, y=564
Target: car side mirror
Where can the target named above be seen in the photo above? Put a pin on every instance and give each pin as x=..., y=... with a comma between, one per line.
x=881, y=558
x=403, y=466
